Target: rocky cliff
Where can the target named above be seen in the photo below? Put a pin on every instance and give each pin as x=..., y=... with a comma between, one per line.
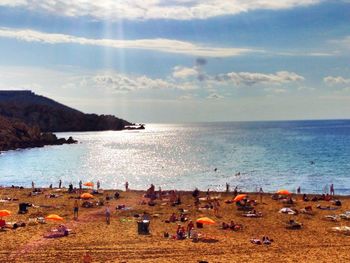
x=16, y=134
x=51, y=116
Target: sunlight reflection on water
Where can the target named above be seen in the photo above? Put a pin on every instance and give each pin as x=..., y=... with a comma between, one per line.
x=183, y=156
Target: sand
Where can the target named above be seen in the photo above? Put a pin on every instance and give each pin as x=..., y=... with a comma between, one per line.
x=120, y=242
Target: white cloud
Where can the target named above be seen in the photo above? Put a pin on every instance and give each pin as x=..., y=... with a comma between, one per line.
x=153, y=9
x=330, y=80
x=184, y=72
x=117, y=82
x=249, y=78
x=158, y=44
x=344, y=42
x=13, y=3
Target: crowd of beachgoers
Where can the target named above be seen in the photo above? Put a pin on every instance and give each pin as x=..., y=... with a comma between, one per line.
x=195, y=216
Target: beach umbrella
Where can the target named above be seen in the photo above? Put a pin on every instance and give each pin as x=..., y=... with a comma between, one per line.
x=54, y=217
x=86, y=196
x=205, y=221
x=283, y=192
x=239, y=197
x=5, y=213
x=90, y=184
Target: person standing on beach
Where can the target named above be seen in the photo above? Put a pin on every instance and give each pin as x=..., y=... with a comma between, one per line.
x=227, y=188
x=235, y=192
x=261, y=195
x=126, y=186
x=80, y=185
x=108, y=215
x=33, y=186
x=98, y=185
x=216, y=207
x=298, y=190
x=332, y=189
x=59, y=184
x=190, y=227
x=76, y=209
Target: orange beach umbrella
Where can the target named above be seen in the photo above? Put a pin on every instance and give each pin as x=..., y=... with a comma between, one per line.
x=86, y=196
x=205, y=221
x=90, y=184
x=239, y=197
x=54, y=217
x=5, y=213
x=283, y=192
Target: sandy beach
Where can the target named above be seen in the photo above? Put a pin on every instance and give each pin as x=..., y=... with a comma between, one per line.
x=120, y=242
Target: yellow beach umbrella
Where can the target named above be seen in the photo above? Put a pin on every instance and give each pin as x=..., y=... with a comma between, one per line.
x=239, y=197
x=283, y=192
x=205, y=221
x=86, y=196
x=54, y=217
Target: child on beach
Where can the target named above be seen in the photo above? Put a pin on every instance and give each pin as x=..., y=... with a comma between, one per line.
x=216, y=205
x=190, y=227
x=108, y=215
x=76, y=209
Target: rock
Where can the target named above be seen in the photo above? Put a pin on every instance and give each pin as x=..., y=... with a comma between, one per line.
x=15, y=134
x=71, y=140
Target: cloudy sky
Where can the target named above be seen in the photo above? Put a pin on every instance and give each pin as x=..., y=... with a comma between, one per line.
x=182, y=60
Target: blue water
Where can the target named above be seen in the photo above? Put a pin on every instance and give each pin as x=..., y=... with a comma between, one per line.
x=183, y=156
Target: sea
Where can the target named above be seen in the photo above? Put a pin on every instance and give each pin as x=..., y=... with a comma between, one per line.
x=247, y=155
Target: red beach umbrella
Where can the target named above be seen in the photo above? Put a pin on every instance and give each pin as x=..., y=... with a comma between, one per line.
x=205, y=221
x=283, y=192
x=239, y=197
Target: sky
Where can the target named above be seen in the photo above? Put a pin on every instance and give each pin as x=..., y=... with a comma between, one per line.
x=182, y=60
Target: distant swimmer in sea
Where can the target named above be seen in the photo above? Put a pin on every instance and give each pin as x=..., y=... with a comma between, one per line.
x=215, y=169
x=312, y=162
x=238, y=174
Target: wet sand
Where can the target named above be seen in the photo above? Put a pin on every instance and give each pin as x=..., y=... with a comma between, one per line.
x=120, y=241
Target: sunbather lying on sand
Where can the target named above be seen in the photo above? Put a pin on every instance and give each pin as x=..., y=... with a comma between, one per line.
x=326, y=207
x=287, y=210
x=60, y=231
x=341, y=229
x=307, y=210
x=231, y=226
x=265, y=240
x=252, y=213
x=292, y=224
x=332, y=217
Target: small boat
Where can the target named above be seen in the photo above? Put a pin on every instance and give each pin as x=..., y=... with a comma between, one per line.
x=135, y=127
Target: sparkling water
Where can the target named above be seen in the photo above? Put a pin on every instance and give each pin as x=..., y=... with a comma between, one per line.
x=273, y=155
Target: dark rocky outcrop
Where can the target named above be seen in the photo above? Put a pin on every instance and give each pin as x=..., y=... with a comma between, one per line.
x=15, y=134
x=51, y=116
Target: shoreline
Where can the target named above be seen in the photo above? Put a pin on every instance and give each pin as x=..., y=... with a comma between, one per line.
x=169, y=190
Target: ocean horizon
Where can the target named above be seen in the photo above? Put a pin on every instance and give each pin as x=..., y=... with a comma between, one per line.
x=311, y=154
